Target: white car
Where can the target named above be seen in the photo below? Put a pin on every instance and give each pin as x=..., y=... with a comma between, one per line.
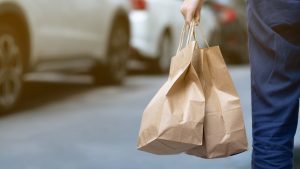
x=42, y=35
x=156, y=27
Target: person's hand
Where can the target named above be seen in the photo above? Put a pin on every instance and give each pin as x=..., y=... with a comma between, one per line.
x=190, y=10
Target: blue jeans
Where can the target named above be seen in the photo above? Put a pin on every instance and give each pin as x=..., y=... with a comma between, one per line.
x=274, y=51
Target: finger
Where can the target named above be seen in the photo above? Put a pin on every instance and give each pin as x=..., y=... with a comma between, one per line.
x=189, y=17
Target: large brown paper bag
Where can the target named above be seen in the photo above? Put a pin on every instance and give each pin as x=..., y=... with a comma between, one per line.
x=224, y=130
x=173, y=120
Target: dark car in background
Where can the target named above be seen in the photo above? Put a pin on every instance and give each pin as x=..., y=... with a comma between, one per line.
x=231, y=35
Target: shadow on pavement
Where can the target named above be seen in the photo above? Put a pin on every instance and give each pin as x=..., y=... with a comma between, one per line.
x=39, y=94
x=42, y=91
x=46, y=88
x=144, y=71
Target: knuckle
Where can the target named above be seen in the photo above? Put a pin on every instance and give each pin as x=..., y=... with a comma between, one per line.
x=182, y=9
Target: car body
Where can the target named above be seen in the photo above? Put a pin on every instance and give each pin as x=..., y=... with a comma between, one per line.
x=156, y=27
x=232, y=32
x=62, y=34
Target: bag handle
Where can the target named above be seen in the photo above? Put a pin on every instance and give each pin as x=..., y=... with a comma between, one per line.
x=191, y=34
x=183, y=31
x=203, y=36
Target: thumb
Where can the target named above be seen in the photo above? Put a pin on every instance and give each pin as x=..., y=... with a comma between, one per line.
x=189, y=17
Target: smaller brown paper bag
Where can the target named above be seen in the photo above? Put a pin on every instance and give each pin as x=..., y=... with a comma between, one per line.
x=224, y=130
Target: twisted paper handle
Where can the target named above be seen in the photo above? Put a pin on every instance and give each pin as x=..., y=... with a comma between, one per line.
x=191, y=35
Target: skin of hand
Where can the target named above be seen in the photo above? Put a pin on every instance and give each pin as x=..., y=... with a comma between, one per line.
x=190, y=10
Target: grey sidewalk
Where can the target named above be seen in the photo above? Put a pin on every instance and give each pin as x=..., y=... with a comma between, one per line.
x=78, y=126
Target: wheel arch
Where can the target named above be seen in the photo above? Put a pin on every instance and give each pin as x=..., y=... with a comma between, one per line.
x=119, y=14
x=167, y=30
x=14, y=14
x=123, y=15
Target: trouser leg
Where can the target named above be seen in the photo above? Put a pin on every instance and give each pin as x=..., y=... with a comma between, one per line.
x=275, y=91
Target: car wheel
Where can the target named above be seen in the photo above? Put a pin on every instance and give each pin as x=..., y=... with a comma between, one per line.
x=115, y=69
x=243, y=52
x=11, y=67
x=162, y=63
x=218, y=39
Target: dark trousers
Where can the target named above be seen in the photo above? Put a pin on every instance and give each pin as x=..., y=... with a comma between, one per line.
x=275, y=90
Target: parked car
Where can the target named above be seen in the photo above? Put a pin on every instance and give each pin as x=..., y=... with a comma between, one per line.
x=232, y=32
x=156, y=27
x=61, y=35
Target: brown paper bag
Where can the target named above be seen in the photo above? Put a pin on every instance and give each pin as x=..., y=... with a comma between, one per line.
x=173, y=120
x=224, y=130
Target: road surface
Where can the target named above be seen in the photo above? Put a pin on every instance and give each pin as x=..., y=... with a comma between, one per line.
x=70, y=124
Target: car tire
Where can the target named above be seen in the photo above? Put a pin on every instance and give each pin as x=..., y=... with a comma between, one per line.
x=217, y=40
x=114, y=70
x=11, y=66
x=239, y=56
x=243, y=52
x=162, y=63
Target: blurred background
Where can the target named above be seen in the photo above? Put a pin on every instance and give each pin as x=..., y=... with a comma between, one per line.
x=75, y=77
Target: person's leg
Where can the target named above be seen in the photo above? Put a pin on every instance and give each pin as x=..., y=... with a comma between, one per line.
x=275, y=89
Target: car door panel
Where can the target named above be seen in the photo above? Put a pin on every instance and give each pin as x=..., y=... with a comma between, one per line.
x=90, y=22
x=67, y=29
x=168, y=12
x=51, y=33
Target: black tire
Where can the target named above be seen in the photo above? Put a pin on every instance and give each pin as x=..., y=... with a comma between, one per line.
x=233, y=54
x=162, y=63
x=243, y=52
x=217, y=40
x=115, y=69
x=11, y=66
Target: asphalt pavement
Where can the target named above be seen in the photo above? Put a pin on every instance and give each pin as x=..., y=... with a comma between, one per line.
x=65, y=122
